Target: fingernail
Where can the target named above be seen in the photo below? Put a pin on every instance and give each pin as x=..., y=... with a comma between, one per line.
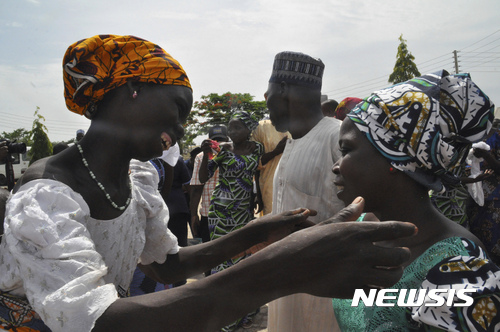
x=357, y=200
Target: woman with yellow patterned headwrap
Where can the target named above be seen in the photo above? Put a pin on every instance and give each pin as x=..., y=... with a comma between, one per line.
x=78, y=223
x=95, y=66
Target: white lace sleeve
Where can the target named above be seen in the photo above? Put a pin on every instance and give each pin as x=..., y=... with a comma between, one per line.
x=61, y=271
x=159, y=239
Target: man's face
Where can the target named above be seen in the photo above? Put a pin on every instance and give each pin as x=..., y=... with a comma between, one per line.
x=278, y=107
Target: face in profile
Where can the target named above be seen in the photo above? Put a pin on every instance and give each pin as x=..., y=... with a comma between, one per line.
x=156, y=117
x=278, y=107
x=362, y=170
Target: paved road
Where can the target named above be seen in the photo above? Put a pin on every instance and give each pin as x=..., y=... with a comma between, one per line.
x=259, y=322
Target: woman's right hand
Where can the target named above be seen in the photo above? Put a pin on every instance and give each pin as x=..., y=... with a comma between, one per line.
x=280, y=147
x=484, y=175
x=336, y=257
x=206, y=146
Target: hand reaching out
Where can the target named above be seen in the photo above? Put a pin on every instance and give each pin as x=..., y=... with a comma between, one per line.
x=338, y=256
x=281, y=145
x=484, y=175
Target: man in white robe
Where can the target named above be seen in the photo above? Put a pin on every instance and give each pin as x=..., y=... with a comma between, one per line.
x=304, y=175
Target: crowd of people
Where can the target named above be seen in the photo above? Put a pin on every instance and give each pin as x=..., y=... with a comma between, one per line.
x=353, y=195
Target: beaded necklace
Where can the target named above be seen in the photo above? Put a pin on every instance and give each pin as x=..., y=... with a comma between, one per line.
x=99, y=184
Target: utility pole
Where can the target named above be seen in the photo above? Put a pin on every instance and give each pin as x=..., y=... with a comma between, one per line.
x=455, y=56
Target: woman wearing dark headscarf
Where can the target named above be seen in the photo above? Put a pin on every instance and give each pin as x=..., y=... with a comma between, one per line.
x=396, y=145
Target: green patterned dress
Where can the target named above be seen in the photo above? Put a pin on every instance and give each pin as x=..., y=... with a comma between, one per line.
x=453, y=263
x=231, y=207
x=231, y=203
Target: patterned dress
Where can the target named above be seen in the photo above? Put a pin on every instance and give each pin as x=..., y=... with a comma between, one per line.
x=231, y=207
x=451, y=263
x=231, y=204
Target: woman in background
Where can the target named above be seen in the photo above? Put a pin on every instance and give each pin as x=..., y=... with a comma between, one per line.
x=231, y=206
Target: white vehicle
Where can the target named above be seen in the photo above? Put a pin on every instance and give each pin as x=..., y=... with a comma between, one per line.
x=20, y=164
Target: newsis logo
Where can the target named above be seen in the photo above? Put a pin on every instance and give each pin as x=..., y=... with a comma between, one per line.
x=415, y=298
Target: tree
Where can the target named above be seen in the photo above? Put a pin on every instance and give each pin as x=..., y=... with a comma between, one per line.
x=41, y=147
x=19, y=135
x=405, y=68
x=217, y=109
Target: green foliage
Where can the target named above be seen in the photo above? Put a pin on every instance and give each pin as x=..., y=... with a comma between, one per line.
x=41, y=146
x=217, y=109
x=19, y=135
x=405, y=68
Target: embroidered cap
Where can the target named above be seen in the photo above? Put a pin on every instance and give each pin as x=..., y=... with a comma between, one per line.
x=297, y=68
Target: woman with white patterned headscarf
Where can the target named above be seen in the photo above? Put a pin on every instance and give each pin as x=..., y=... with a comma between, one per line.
x=396, y=145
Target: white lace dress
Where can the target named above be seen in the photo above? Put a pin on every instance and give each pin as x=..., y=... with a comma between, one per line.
x=70, y=266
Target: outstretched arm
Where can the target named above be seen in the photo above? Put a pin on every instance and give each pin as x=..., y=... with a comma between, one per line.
x=203, y=173
x=194, y=201
x=266, y=157
x=484, y=175
x=196, y=259
x=330, y=259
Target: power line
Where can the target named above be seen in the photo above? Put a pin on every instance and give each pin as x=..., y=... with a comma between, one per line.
x=31, y=118
x=367, y=86
x=482, y=59
x=481, y=40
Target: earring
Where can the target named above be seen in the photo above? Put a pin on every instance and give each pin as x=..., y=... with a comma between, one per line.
x=134, y=95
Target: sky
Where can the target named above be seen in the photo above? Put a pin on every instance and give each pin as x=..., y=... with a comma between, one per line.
x=229, y=45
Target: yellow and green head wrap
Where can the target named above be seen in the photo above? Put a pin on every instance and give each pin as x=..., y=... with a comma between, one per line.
x=97, y=65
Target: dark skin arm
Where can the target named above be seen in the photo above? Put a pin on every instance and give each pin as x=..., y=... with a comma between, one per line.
x=484, y=175
x=194, y=260
x=259, y=202
x=203, y=173
x=169, y=174
x=194, y=201
x=312, y=258
x=266, y=157
x=169, y=177
x=4, y=150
